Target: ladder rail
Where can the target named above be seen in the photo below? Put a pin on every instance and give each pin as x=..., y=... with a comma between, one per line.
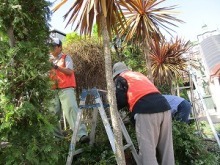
x=106, y=124
x=73, y=139
x=129, y=144
x=206, y=111
x=94, y=124
x=72, y=146
x=129, y=141
x=193, y=105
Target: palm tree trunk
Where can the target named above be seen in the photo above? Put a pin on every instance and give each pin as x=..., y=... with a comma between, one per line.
x=148, y=61
x=120, y=157
x=172, y=88
x=10, y=32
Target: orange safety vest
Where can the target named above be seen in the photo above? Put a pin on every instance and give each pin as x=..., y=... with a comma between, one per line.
x=138, y=86
x=60, y=79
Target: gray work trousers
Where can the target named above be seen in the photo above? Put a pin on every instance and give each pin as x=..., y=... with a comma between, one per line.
x=65, y=99
x=154, y=136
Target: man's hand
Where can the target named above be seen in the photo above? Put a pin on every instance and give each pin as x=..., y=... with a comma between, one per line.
x=54, y=66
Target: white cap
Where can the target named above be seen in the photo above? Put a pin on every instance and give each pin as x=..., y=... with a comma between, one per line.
x=118, y=68
x=56, y=41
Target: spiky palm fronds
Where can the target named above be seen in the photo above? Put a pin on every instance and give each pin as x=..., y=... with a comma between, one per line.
x=145, y=17
x=168, y=60
x=84, y=13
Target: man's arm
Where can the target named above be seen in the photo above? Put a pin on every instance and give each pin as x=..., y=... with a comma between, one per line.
x=69, y=66
x=121, y=92
x=65, y=70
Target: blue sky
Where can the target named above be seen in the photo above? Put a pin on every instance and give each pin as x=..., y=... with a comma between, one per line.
x=195, y=13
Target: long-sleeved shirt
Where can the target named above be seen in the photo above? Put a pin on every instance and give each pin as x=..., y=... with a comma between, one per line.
x=174, y=102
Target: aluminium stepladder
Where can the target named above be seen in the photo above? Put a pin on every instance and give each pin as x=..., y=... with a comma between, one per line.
x=195, y=89
x=193, y=76
x=98, y=107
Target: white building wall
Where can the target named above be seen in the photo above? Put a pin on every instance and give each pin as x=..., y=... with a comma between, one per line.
x=209, y=43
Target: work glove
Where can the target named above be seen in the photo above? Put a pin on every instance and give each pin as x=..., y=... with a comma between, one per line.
x=54, y=66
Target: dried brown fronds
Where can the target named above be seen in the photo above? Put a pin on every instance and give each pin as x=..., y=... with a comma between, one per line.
x=88, y=57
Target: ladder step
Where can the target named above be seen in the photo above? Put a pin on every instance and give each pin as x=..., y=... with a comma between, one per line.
x=79, y=151
x=97, y=105
x=89, y=106
x=127, y=146
x=4, y=144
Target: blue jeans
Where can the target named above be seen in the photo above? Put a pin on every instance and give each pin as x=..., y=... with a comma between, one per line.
x=183, y=111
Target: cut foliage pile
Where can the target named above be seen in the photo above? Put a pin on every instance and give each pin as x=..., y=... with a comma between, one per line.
x=88, y=58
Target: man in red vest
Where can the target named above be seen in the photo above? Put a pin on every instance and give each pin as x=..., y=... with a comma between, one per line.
x=64, y=84
x=151, y=113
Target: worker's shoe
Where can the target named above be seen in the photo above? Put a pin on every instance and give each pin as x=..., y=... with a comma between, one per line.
x=84, y=139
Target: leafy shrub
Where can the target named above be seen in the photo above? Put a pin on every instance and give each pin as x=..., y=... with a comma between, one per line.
x=189, y=147
x=25, y=121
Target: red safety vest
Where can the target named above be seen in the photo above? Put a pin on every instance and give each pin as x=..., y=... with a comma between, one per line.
x=138, y=86
x=60, y=79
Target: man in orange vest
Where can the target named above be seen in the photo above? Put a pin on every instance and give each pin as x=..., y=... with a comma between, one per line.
x=151, y=113
x=64, y=83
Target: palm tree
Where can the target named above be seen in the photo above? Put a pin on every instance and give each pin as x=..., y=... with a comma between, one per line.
x=105, y=13
x=144, y=18
x=167, y=60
